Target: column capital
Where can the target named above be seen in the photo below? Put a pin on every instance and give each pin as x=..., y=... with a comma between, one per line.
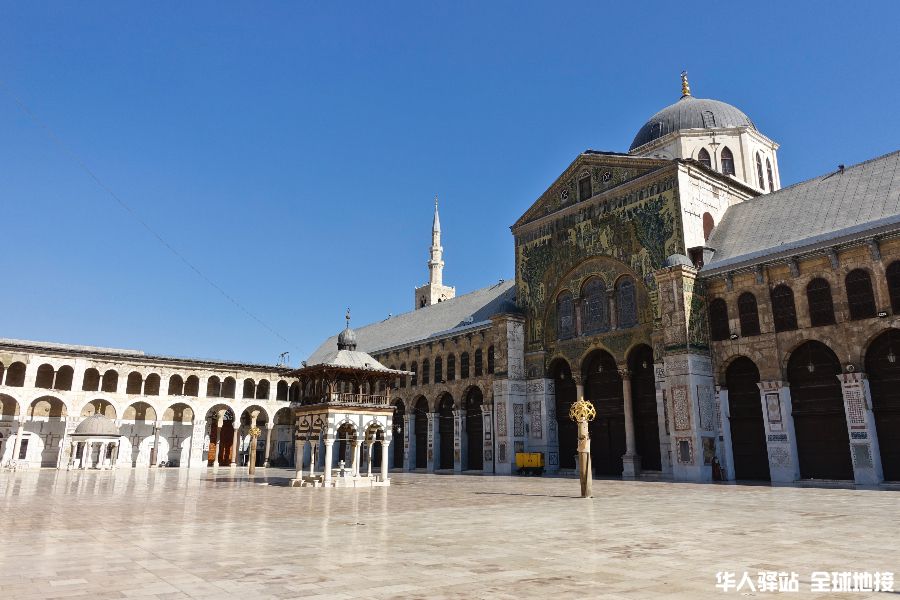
x=772, y=386
x=852, y=378
x=624, y=372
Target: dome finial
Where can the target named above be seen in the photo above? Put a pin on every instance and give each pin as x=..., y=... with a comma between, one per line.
x=347, y=317
x=685, y=86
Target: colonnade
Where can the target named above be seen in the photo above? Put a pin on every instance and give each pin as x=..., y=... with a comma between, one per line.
x=328, y=462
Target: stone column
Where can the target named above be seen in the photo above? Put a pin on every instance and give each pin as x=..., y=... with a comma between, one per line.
x=115, y=455
x=254, y=433
x=459, y=421
x=864, y=449
x=781, y=442
x=409, y=443
x=86, y=455
x=433, y=448
x=369, y=469
x=17, y=444
x=101, y=458
x=613, y=312
x=299, y=446
x=487, y=415
x=354, y=468
x=631, y=462
x=154, y=453
x=329, y=442
x=313, y=456
x=220, y=422
x=385, y=443
x=234, y=444
x=72, y=456
x=269, y=428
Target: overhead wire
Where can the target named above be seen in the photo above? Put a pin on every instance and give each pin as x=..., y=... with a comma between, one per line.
x=134, y=214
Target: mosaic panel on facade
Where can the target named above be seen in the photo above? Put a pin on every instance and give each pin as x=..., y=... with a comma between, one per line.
x=681, y=407
x=853, y=398
x=537, y=423
x=707, y=409
x=518, y=419
x=501, y=419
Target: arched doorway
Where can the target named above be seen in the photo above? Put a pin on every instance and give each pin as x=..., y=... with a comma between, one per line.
x=177, y=427
x=139, y=437
x=221, y=441
x=399, y=434
x=421, y=420
x=823, y=444
x=643, y=406
x=564, y=385
x=883, y=369
x=345, y=437
x=603, y=387
x=245, y=439
x=474, y=430
x=45, y=429
x=445, y=429
x=748, y=431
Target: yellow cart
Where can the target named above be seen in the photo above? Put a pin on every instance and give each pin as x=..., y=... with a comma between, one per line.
x=530, y=463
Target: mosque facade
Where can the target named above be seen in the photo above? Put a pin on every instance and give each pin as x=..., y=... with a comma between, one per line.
x=724, y=327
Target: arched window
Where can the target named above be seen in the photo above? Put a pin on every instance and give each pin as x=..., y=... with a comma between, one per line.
x=281, y=390
x=91, y=382
x=771, y=179
x=451, y=367
x=708, y=225
x=748, y=314
x=718, y=320
x=860, y=297
x=414, y=380
x=759, y=171
x=64, y=378
x=595, y=306
x=893, y=282
x=403, y=378
x=426, y=375
x=15, y=375
x=438, y=370
x=727, y=161
x=626, y=302
x=228, y=387
x=213, y=387
x=192, y=386
x=479, y=368
x=464, y=365
x=490, y=360
x=565, y=316
x=821, y=307
x=151, y=385
x=134, y=383
x=783, y=311
x=703, y=158
x=249, y=389
x=262, y=390
x=110, y=381
x=44, y=377
x=176, y=386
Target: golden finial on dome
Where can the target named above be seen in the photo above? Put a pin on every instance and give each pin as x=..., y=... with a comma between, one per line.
x=685, y=87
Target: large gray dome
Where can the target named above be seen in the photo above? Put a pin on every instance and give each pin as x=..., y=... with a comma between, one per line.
x=97, y=426
x=690, y=113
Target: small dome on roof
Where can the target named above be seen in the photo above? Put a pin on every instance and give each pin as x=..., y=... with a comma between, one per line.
x=97, y=425
x=679, y=260
x=347, y=339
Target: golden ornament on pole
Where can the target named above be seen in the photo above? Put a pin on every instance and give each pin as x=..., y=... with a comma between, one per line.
x=582, y=412
x=254, y=435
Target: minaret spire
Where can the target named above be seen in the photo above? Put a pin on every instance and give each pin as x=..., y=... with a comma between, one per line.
x=436, y=260
x=434, y=291
x=685, y=86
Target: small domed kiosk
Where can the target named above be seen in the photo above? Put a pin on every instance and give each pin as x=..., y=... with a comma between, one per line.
x=344, y=403
x=95, y=444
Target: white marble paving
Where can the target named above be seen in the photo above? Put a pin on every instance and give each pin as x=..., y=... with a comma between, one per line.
x=173, y=534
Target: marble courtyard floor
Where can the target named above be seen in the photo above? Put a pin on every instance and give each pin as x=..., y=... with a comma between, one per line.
x=173, y=534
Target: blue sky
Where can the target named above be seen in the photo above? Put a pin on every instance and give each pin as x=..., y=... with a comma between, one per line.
x=291, y=150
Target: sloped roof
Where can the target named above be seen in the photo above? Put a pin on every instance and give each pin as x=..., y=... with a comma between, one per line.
x=350, y=359
x=821, y=211
x=427, y=322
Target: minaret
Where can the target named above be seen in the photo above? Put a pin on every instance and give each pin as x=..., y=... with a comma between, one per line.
x=434, y=291
x=436, y=263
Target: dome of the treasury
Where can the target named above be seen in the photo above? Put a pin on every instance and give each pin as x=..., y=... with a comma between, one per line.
x=690, y=113
x=347, y=339
x=97, y=425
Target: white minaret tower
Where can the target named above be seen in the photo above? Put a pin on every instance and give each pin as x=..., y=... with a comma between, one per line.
x=434, y=291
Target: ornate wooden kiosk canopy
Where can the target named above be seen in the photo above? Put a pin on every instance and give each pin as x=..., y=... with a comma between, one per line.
x=344, y=399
